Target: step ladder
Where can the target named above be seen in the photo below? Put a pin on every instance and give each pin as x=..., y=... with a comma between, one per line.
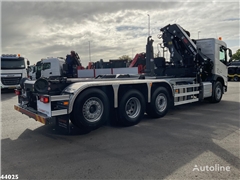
x=187, y=93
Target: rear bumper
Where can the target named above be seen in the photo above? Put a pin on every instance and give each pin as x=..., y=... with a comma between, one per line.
x=38, y=117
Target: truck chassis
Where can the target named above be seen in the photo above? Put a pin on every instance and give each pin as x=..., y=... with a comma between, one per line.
x=90, y=104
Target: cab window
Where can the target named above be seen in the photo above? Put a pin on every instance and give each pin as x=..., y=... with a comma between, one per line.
x=222, y=55
x=46, y=66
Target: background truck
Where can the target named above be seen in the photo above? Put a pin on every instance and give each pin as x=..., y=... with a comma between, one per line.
x=47, y=67
x=51, y=67
x=13, y=69
x=197, y=70
x=56, y=66
x=234, y=70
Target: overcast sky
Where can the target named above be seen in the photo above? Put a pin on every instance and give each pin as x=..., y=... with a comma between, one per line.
x=41, y=29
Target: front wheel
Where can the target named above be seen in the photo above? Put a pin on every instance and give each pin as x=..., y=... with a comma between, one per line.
x=91, y=109
x=217, y=92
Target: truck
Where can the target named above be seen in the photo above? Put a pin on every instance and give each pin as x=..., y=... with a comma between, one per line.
x=197, y=70
x=234, y=70
x=56, y=66
x=13, y=69
x=49, y=67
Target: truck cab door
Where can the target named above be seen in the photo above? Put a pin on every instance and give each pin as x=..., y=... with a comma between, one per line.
x=46, y=69
x=223, y=59
x=221, y=65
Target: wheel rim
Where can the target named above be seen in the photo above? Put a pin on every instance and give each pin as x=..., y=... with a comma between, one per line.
x=161, y=102
x=92, y=109
x=133, y=107
x=218, y=92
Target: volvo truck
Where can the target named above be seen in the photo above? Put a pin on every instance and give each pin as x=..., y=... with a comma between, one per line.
x=197, y=70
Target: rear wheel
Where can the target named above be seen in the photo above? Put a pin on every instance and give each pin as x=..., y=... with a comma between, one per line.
x=91, y=109
x=159, y=103
x=217, y=92
x=131, y=108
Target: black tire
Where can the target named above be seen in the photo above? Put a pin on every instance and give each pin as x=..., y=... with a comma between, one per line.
x=236, y=78
x=129, y=116
x=72, y=119
x=160, y=103
x=93, y=100
x=217, y=92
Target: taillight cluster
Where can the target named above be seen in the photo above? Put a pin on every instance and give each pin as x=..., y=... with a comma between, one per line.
x=44, y=99
x=18, y=92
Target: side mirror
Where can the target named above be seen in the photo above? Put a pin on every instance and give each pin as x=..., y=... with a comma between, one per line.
x=28, y=63
x=230, y=53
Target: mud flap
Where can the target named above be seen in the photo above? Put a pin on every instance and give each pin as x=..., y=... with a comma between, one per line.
x=63, y=124
x=201, y=92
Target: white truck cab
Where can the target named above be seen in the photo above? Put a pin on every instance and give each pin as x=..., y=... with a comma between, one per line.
x=215, y=49
x=13, y=69
x=52, y=66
